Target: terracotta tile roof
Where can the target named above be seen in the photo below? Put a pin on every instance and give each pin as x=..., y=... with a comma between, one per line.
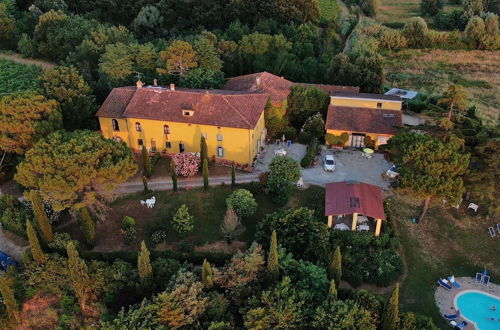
x=116, y=102
x=369, y=120
x=366, y=96
x=340, y=199
x=214, y=107
x=278, y=88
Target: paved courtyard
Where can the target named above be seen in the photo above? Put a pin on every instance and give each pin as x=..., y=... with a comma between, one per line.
x=350, y=166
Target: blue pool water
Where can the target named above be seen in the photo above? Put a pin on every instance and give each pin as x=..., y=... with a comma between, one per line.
x=476, y=306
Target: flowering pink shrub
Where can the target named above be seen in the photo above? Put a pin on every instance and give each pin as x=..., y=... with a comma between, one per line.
x=186, y=164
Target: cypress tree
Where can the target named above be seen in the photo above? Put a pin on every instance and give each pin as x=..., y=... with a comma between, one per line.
x=203, y=149
x=9, y=299
x=390, y=317
x=335, y=266
x=88, y=226
x=78, y=275
x=273, y=259
x=205, y=174
x=146, y=162
x=41, y=216
x=207, y=276
x=145, y=184
x=173, y=173
x=144, y=265
x=36, y=250
x=332, y=292
x=233, y=175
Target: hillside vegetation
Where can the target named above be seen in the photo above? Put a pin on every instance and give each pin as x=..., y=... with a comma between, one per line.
x=431, y=71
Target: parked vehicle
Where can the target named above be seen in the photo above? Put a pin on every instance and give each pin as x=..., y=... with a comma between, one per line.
x=329, y=163
x=6, y=261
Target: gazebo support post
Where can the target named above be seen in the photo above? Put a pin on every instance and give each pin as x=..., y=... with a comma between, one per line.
x=378, y=227
x=354, y=221
x=330, y=221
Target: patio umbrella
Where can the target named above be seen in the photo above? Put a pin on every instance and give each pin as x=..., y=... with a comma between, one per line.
x=368, y=151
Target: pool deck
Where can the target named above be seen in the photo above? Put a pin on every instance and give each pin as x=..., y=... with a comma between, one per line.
x=445, y=299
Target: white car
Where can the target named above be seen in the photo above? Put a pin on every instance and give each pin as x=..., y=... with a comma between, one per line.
x=329, y=163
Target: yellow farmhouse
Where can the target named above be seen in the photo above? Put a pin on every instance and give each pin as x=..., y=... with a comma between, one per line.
x=172, y=120
x=363, y=115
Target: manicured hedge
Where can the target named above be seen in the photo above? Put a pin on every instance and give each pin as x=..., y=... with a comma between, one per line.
x=196, y=258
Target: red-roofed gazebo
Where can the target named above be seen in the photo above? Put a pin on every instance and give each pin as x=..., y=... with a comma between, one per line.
x=346, y=198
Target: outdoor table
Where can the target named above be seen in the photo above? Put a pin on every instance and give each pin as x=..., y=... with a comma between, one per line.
x=341, y=227
x=363, y=228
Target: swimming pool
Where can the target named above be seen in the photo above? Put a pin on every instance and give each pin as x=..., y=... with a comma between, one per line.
x=475, y=306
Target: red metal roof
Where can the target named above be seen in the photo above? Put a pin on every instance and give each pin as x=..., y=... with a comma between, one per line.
x=339, y=199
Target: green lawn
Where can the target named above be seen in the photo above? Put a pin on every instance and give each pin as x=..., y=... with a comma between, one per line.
x=443, y=246
x=18, y=78
x=330, y=9
x=208, y=209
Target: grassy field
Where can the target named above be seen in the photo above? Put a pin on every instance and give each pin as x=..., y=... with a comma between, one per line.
x=18, y=78
x=208, y=209
x=447, y=243
x=330, y=9
x=399, y=11
x=432, y=71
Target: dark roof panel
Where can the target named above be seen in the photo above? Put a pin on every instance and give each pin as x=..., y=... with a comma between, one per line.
x=366, y=96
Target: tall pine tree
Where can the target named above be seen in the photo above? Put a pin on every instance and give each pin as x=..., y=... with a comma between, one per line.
x=390, y=317
x=41, y=216
x=332, y=291
x=207, y=276
x=144, y=265
x=36, y=250
x=203, y=149
x=335, y=266
x=233, y=175
x=78, y=275
x=146, y=162
x=205, y=174
x=273, y=259
x=9, y=299
x=88, y=226
x=173, y=174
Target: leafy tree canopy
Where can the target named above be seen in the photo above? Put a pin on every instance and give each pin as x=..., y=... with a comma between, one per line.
x=69, y=167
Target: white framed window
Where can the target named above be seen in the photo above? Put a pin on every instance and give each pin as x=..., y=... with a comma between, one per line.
x=140, y=142
x=166, y=129
x=115, y=125
x=220, y=152
x=219, y=137
x=168, y=145
x=379, y=105
x=138, y=127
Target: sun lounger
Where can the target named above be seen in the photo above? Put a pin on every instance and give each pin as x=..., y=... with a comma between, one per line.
x=451, y=317
x=479, y=277
x=461, y=325
x=498, y=227
x=455, y=283
x=486, y=280
x=444, y=285
x=491, y=230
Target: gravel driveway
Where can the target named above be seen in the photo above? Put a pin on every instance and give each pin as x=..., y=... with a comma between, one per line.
x=351, y=166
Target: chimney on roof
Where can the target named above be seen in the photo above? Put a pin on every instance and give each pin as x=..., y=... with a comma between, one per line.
x=155, y=82
x=172, y=87
x=282, y=77
x=257, y=81
x=139, y=84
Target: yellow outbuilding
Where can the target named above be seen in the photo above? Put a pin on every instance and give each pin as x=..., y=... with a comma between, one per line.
x=355, y=118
